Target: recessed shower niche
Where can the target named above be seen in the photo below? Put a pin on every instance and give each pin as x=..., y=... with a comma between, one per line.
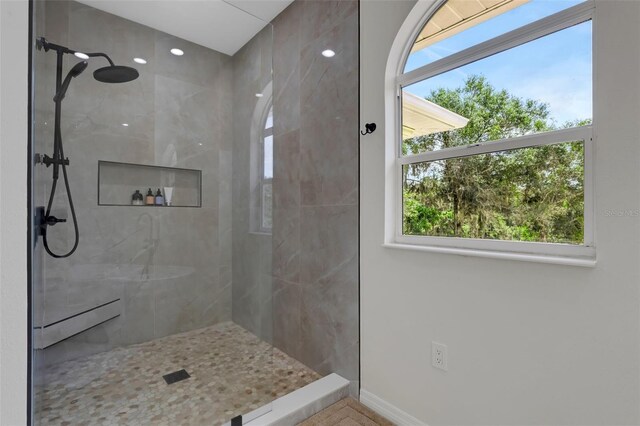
x=117, y=182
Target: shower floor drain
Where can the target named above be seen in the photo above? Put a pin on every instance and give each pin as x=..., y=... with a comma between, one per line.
x=176, y=376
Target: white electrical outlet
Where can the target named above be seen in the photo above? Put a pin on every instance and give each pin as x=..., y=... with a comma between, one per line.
x=439, y=355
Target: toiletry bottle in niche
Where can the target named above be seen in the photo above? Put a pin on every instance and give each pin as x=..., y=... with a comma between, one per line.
x=159, y=198
x=168, y=195
x=150, y=198
x=136, y=198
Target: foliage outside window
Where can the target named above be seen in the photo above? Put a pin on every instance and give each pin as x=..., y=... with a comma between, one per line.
x=485, y=154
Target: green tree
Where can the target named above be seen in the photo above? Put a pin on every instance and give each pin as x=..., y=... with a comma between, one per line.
x=531, y=194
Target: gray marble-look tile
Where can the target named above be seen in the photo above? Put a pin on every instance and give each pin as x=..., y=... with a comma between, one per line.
x=139, y=312
x=287, y=299
x=175, y=305
x=329, y=342
x=286, y=170
x=329, y=277
x=186, y=124
x=54, y=21
x=321, y=16
x=329, y=119
x=286, y=244
x=171, y=267
x=327, y=241
x=286, y=70
x=315, y=185
x=252, y=258
x=266, y=308
x=225, y=207
x=198, y=66
x=101, y=339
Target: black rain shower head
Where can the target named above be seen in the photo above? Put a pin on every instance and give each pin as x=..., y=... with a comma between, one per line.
x=75, y=71
x=115, y=74
x=111, y=74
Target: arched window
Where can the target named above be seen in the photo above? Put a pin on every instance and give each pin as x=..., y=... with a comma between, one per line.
x=261, y=163
x=494, y=131
x=266, y=174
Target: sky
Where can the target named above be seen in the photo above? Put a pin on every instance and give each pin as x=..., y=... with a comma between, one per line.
x=555, y=69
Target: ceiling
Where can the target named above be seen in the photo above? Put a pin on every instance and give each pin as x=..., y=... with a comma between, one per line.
x=222, y=25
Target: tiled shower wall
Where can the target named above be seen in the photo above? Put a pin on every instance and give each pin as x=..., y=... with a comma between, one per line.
x=297, y=287
x=171, y=267
x=315, y=198
x=252, y=253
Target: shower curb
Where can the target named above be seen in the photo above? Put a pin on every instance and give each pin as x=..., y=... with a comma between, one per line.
x=300, y=404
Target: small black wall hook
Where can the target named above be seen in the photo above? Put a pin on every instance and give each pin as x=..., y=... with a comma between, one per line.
x=369, y=128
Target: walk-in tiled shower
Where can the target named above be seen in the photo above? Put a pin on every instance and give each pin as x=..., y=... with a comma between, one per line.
x=216, y=202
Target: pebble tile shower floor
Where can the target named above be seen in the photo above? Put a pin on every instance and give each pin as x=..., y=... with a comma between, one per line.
x=232, y=372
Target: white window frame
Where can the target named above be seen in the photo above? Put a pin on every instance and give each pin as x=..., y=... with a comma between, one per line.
x=264, y=180
x=583, y=254
x=258, y=132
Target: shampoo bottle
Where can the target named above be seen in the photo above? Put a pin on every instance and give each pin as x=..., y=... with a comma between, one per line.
x=159, y=198
x=136, y=198
x=150, y=199
x=168, y=195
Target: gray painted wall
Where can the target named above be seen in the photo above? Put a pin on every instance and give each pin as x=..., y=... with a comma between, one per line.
x=13, y=226
x=529, y=343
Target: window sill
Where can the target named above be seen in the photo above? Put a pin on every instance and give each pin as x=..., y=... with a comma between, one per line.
x=521, y=257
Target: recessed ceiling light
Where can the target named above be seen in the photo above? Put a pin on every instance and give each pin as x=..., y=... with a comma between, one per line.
x=140, y=60
x=81, y=55
x=125, y=124
x=177, y=52
x=259, y=95
x=200, y=143
x=328, y=53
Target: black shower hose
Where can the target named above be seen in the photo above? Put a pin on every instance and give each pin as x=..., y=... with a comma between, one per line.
x=58, y=158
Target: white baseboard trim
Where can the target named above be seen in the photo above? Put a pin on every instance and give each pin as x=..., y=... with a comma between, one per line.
x=385, y=409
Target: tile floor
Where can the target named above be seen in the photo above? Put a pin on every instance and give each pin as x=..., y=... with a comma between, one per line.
x=346, y=412
x=232, y=372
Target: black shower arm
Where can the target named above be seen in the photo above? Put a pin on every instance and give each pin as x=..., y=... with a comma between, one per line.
x=42, y=43
x=104, y=55
x=62, y=49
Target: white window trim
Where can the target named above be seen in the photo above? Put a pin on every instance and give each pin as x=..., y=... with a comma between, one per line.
x=264, y=180
x=578, y=255
x=256, y=164
x=564, y=19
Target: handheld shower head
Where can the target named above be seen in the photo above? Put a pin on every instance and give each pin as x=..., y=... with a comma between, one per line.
x=75, y=71
x=78, y=68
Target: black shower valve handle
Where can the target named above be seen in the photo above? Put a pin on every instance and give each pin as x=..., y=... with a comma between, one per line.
x=52, y=220
x=47, y=161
